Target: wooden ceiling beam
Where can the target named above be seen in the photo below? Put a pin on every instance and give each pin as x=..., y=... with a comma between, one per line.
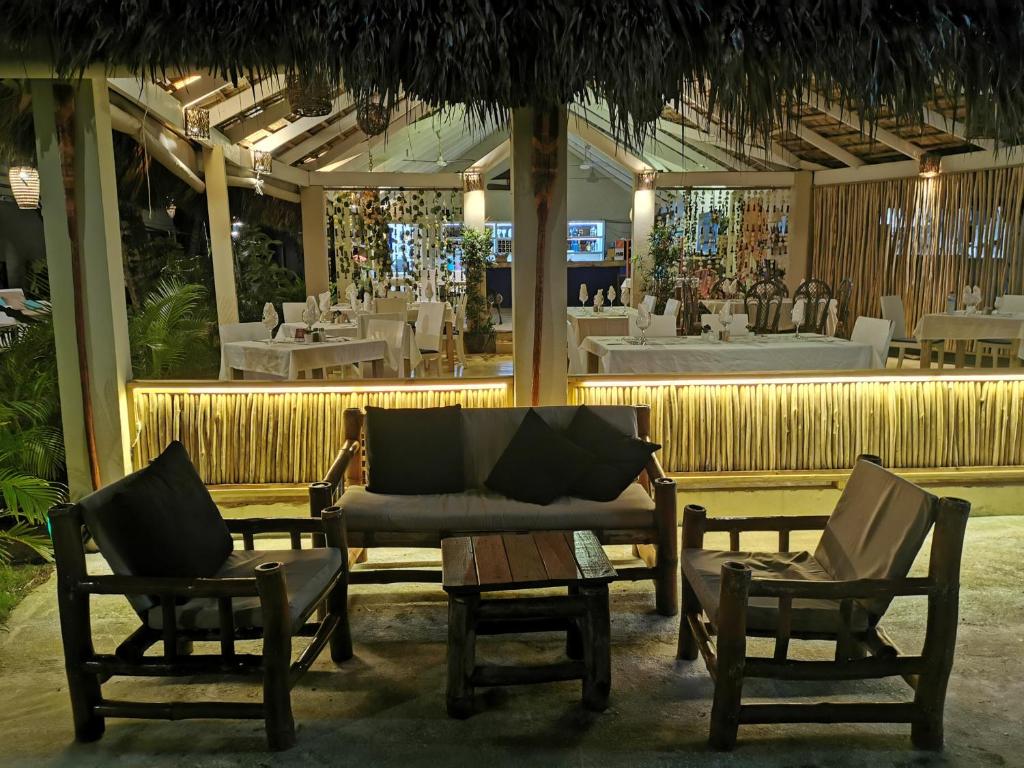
x=245, y=100
x=351, y=145
x=318, y=139
x=826, y=145
x=853, y=119
x=949, y=125
x=258, y=121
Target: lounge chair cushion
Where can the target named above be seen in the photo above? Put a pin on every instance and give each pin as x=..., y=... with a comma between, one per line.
x=307, y=573
x=618, y=458
x=481, y=511
x=703, y=571
x=486, y=432
x=159, y=521
x=414, y=450
x=539, y=464
x=876, y=529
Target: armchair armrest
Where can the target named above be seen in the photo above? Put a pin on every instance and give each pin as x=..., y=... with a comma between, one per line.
x=254, y=525
x=696, y=523
x=856, y=589
x=168, y=586
x=339, y=468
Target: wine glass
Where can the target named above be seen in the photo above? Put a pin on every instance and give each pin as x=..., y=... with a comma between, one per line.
x=584, y=295
x=643, y=322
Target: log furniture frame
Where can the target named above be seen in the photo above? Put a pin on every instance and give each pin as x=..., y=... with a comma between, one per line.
x=87, y=669
x=474, y=565
x=657, y=546
x=870, y=654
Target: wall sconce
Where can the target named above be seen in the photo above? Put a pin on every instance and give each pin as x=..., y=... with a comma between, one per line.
x=646, y=180
x=197, y=123
x=472, y=181
x=262, y=162
x=930, y=166
x=24, y=180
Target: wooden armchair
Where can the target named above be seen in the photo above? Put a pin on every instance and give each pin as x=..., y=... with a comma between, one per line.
x=838, y=594
x=268, y=595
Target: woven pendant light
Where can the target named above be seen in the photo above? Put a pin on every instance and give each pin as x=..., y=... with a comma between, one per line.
x=197, y=123
x=24, y=181
x=309, y=96
x=372, y=117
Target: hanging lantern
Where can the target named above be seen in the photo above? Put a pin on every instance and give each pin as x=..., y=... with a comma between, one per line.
x=197, y=123
x=24, y=181
x=930, y=165
x=309, y=96
x=262, y=162
x=172, y=208
x=372, y=116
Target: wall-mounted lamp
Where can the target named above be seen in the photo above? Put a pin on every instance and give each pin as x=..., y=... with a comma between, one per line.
x=472, y=181
x=24, y=180
x=262, y=162
x=197, y=123
x=930, y=165
x=646, y=180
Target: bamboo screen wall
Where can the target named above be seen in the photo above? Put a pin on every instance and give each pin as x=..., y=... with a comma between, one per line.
x=273, y=435
x=819, y=425
x=921, y=238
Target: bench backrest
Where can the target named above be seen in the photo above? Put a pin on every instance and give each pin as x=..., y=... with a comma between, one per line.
x=486, y=432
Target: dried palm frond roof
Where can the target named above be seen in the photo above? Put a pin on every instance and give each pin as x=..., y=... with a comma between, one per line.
x=753, y=61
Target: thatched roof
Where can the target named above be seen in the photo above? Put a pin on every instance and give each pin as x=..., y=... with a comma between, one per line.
x=751, y=62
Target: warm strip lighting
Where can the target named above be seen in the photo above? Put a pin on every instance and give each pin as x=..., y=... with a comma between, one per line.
x=252, y=389
x=880, y=378
x=185, y=82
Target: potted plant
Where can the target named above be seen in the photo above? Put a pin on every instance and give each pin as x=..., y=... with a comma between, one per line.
x=663, y=255
x=476, y=250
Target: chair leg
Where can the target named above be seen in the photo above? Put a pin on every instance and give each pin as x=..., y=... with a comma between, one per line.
x=694, y=517
x=900, y=356
x=732, y=652
x=597, y=658
x=666, y=589
x=277, y=654
x=337, y=600
x=461, y=654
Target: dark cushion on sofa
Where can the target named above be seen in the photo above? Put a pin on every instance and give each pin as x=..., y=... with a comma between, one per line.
x=159, y=521
x=617, y=458
x=414, y=450
x=539, y=464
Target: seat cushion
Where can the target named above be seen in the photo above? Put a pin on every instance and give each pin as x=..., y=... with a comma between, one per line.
x=307, y=573
x=480, y=511
x=159, y=521
x=618, y=458
x=414, y=450
x=703, y=570
x=539, y=464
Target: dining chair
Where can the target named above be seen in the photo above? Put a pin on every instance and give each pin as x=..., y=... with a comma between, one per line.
x=390, y=304
x=393, y=333
x=817, y=294
x=292, y=311
x=689, y=319
x=577, y=357
x=661, y=326
x=1011, y=303
x=843, y=296
x=875, y=333
x=363, y=320
x=892, y=310
x=230, y=332
x=763, y=302
x=429, y=327
x=672, y=307
x=648, y=302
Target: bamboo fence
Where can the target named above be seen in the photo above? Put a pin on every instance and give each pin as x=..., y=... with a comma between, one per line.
x=921, y=239
x=825, y=425
x=270, y=436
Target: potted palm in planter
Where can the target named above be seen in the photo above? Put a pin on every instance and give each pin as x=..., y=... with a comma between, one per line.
x=476, y=251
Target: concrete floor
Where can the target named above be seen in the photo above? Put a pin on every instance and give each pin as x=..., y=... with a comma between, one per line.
x=386, y=706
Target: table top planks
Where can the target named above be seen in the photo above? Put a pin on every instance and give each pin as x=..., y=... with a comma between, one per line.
x=523, y=561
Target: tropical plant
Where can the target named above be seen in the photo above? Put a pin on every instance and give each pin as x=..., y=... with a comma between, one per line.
x=476, y=251
x=258, y=275
x=663, y=256
x=171, y=332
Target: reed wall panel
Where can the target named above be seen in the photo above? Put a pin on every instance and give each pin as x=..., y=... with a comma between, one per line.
x=921, y=238
x=251, y=435
x=809, y=425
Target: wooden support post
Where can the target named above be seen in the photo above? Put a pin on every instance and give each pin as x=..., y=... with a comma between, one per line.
x=75, y=623
x=644, y=208
x=667, y=519
x=597, y=659
x=313, y=204
x=277, y=655
x=337, y=600
x=221, y=254
x=694, y=517
x=461, y=654
x=732, y=652
x=800, y=230
x=940, y=632
x=539, y=172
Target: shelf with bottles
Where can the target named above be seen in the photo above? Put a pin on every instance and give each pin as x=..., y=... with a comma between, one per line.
x=585, y=241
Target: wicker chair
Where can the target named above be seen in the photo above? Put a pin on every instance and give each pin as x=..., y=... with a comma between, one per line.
x=843, y=295
x=817, y=294
x=764, y=305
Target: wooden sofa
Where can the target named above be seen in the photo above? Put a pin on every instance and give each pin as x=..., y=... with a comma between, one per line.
x=644, y=515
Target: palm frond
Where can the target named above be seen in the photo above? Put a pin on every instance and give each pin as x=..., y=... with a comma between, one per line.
x=26, y=535
x=27, y=497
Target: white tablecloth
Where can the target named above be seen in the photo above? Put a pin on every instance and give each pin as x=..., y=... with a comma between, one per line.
x=690, y=354
x=963, y=327
x=289, y=359
x=609, y=322
x=332, y=330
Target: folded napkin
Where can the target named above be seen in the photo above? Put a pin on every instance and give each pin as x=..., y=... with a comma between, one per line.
x=799, y=311
x=269, y=317
x=832, y=324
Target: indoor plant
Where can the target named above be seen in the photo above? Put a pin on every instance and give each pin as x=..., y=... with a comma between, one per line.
x=476, y=251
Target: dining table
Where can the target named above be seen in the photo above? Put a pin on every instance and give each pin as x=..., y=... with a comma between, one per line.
x=302, y=359
x=287, y=331
x=610, y=321
x=411, y=313
x=962, y=327
x=694, y=354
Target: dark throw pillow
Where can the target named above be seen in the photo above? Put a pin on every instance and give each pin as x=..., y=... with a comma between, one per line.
x=161, y=520
x=618, y=458
x=412, y=451
x=539, y=464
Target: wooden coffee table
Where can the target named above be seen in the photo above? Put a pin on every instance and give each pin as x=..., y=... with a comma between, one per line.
x=473, y=565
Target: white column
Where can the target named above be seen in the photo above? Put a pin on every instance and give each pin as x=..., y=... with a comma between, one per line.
x=221, y=251
x=643, y=223
x=83, y=246
x=539, y=174
x=800, y=221
x=313, y=203
x=474, y=206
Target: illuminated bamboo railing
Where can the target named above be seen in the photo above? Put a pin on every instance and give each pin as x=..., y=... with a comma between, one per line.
x=820, y=422
x=269, y=432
